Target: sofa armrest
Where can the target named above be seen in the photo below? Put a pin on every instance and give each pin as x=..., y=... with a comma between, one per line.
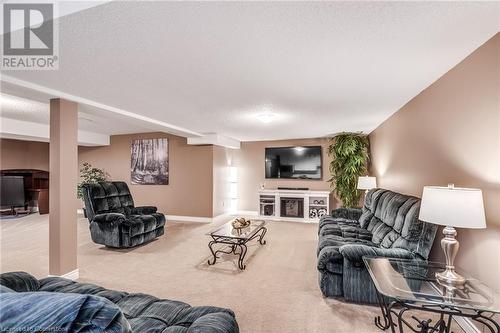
x=19, y=281
x=144, y=210
x=347, y=213
x=328, y=255
x=356, y=252
x=109, y=218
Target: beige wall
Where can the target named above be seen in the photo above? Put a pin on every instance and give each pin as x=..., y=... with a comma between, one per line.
x=189, y=192
x=450, y=133
x=17, y=154
x=250, y=160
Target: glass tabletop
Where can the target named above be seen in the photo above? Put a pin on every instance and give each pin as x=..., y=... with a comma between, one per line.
x=414, y=281
x=227, y=230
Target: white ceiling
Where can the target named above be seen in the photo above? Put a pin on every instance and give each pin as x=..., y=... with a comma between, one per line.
x=210, y=67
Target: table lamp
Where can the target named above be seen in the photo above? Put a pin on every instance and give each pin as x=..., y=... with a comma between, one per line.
x=366, y=183
x=452, y=207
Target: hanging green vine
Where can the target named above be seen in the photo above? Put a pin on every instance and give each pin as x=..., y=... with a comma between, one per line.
x=350, y=156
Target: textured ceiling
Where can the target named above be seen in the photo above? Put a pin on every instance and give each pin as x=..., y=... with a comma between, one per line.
x=89, y=119
x=323, y=67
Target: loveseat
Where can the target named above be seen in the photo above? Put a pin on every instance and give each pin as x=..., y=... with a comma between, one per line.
x=60, y=304
x=386, y=226
x=115, y=221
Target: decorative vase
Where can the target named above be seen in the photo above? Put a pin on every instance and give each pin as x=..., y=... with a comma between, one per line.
x=240, y=223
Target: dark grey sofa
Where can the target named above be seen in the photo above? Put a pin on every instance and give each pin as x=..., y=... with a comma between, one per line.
x=115, y=221
x=386, y=226
x=118, y=311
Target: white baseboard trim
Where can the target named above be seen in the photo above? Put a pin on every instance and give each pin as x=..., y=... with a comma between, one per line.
x=73, y=275
x=182, y=218
x=222, y=218
x=247, y=212
x=216, y=219
x=467, y=325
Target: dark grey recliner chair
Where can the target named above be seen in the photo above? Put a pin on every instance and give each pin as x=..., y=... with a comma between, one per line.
x=114, y=221
x=387, y=226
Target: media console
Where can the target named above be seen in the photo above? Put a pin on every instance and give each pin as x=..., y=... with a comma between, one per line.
x=293, y=205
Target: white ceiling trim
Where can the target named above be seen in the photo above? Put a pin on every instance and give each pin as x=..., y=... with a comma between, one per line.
x=156, y=125
x=29, y=131
x=215, y=139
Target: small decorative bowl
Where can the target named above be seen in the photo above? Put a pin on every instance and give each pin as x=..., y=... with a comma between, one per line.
x=240, y=223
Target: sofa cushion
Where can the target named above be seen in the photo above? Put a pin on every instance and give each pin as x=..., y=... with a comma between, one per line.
x=331, y=225
x=329, y=257
x=350, y=231
x=167, y=310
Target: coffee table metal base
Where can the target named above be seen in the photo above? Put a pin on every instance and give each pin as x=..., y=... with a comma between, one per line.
x=236, y=246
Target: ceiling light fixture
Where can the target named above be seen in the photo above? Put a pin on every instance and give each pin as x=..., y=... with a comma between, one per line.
x=266, y=117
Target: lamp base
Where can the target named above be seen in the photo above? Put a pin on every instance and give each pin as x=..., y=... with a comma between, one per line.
x=449, y=278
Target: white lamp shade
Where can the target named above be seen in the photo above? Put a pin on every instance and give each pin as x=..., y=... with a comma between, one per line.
x=367, y=183
x=453, y=206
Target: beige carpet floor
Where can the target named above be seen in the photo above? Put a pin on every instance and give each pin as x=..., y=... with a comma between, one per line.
x=278, y=291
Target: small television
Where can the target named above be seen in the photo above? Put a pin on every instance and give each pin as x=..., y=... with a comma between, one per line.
x=11, y=191
x=294, y=163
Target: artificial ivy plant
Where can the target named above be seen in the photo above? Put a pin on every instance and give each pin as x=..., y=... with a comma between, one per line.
x=89, y=175
x=350, y=157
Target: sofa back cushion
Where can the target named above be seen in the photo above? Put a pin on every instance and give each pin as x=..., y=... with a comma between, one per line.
x=107, y=197
x=392, y=218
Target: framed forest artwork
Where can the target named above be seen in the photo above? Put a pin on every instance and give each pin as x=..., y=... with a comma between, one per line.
x=149, y=162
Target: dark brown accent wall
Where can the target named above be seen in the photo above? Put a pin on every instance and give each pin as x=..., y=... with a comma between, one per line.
x=450, y=133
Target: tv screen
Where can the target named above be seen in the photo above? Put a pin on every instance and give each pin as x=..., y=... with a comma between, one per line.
x=294, y=162
x=12, y=191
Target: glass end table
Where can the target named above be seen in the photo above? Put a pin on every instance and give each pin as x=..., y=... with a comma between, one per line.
x=236, y=239
x=404, y=285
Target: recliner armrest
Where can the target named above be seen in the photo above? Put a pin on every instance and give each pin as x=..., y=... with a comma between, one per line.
x=144, y=210
x=347, y=213
x=356, y=252
x=109, y=218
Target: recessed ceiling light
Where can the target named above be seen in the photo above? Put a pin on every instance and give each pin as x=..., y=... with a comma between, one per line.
x=266, y=117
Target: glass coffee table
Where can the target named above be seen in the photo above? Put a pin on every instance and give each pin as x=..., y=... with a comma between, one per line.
x=404, y=285
x=235, y=240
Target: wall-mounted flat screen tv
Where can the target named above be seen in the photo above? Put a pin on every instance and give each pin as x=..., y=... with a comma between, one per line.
x=294, y=163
